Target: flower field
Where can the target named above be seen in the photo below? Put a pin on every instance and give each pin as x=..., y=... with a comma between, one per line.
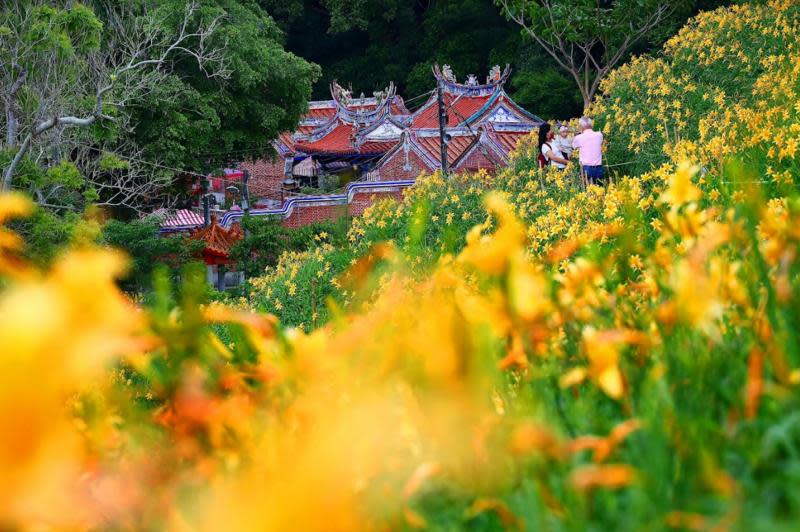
x=509, y=352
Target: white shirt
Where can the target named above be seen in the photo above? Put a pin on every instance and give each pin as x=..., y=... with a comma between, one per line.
x=547, y=151
x=564, y=144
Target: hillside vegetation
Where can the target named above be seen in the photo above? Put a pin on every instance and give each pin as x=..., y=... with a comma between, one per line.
x=491, y=353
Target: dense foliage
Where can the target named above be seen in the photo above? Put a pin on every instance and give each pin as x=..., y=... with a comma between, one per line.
x=711, y=94
x=115, y=104
x=266, y=240
x=210, y=121
x=621, y=357
x=369, y=43
x=148, y=251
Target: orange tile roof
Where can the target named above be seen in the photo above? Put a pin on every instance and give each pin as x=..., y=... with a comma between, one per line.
x=455, y=148
x=459, y=109
x=508, y=139
x=218, y=240
x=339, y=140
x=321, y=112
x=378, y=146
x=288, y=140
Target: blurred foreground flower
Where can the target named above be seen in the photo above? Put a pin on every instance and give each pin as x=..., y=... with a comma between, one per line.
x=59, y=330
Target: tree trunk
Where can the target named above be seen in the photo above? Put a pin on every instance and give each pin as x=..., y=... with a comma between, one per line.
x=12, y=122
x=587, y=100
x=12, y=126
x=8, y=174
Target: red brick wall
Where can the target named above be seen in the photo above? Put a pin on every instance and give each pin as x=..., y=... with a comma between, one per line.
x=476, y=160
x=303, y=215
x=266, y=177
x=393, y=169
x=362, y=200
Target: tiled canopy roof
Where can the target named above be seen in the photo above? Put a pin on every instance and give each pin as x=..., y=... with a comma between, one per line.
x=321, y=111
x=218, y=241
x=338, y=140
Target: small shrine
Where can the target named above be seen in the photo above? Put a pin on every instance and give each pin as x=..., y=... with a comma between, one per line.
x=218, y=242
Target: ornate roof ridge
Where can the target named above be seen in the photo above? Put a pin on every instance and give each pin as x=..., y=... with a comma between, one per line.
x=434, y=131
x=536, y=119
x=321, y=104
x=471, y=87
x=350, y=109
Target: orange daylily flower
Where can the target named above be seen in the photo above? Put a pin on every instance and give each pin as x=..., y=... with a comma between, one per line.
x=421, y=474
x=611, y=476
x=603, y=447
x=532, y=437
x=491, y=253
x=755, y=383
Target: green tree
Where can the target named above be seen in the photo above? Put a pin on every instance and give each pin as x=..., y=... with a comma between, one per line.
x=148, y=250
x=267, y=239
x=195, y=123
x=64, y=67
x=371, y=43
x=106, y=102
x=589, y=38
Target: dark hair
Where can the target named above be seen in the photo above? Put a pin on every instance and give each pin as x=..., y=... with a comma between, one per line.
x=544, y=129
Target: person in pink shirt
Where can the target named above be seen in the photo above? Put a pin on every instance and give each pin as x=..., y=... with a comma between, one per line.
x=590, y=144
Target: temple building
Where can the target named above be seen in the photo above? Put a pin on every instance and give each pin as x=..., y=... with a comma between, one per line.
x=378, y=139
x=216, y=253
x=483, y=126
x=341, y=138
x=367, y=147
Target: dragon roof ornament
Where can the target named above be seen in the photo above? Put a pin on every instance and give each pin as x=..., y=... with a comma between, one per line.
x=472, y=86
x=494, y=75
x=362, y=111
x=341, y=95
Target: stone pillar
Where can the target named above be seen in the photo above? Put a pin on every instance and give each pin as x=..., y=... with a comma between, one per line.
x=221, y=277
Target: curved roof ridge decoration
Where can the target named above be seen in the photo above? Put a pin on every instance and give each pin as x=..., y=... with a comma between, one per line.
x=494, y=99
x=321, y=104
x=496, y=79
x=349, y=108
x=400, y=103
x=381, y=121
x=434, y=131
x=526, y=127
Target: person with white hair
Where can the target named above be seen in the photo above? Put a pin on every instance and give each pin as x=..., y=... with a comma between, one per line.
x=563, y=142
x=590, y=144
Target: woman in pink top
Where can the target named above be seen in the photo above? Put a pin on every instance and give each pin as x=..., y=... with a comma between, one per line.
x=590, y=144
